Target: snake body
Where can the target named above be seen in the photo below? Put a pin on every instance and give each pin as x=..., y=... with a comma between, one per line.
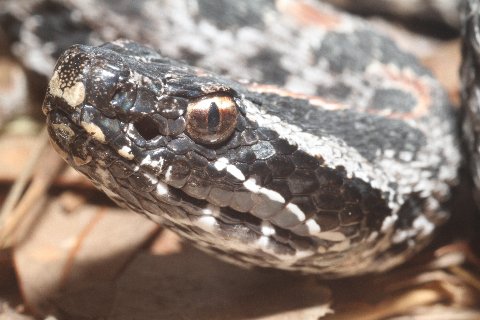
x=341, y=171
x=470, y=77
x=437, y=13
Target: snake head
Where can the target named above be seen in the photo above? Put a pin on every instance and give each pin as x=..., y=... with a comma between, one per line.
x=107, y=90
x=251, y=175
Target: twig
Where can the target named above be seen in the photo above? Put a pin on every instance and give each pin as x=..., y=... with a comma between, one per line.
x=42, y=174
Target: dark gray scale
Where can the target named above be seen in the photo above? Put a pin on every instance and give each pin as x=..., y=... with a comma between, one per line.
x=280, y=166
x=393, y=98
x=179, y=172
x=141, y=183
x=269, y=62
x=121, y=169
x=229, y=16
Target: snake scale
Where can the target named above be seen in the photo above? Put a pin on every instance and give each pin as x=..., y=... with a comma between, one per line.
x=301, y=139
x=470, y=77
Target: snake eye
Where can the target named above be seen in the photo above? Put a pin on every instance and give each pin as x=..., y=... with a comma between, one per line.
x=211, y=120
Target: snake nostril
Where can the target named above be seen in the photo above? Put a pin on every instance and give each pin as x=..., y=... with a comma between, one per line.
x=147, y=127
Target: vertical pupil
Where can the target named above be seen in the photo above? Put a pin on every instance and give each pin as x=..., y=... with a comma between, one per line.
x=213, y=117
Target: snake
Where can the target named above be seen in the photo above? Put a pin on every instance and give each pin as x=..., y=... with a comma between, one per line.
x=279, y=134
x=469, y=76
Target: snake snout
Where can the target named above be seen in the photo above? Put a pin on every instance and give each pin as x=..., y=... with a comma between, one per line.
x=67, y=87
